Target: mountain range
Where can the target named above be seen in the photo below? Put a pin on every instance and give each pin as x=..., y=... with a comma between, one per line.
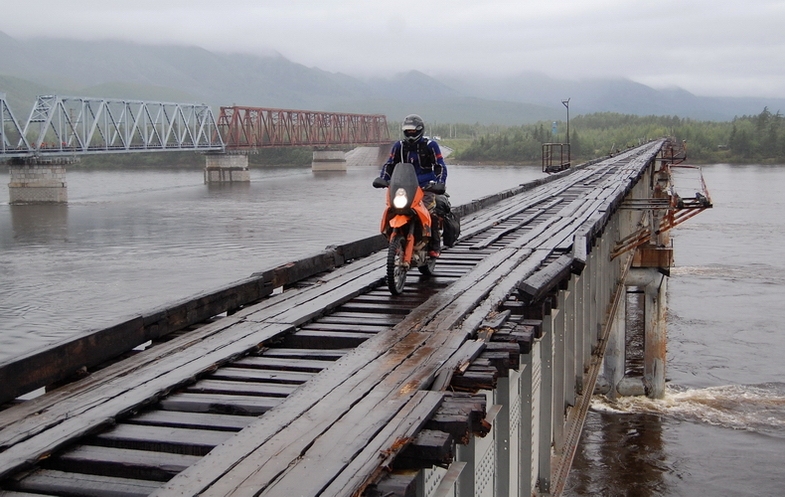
x=171, y=73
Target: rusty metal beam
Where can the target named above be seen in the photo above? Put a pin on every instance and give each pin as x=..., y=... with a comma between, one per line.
x=249, y=128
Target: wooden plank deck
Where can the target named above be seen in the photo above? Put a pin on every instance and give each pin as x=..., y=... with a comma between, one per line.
x=315, y=390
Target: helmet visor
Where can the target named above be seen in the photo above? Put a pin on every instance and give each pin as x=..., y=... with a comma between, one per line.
x=411, y=132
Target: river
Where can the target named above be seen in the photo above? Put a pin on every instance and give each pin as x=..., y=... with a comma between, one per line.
x=130, y=241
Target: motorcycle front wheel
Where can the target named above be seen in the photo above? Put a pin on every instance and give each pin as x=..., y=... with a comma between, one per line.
x=396, y=272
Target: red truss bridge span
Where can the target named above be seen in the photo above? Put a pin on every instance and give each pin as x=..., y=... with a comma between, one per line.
x=248, y=128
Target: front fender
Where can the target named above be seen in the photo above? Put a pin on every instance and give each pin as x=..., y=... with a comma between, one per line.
x=399, y=220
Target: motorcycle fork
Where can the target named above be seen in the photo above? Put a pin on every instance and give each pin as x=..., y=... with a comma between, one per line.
x=408, y=249
x=407, y=254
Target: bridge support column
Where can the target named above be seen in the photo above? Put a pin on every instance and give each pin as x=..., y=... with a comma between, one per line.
x=545, y=438
x=508, y=427
x=37, y=183
x=559, y=372
x=655, y=304
x=479, y=476
x=222, y=168
x=328, y=160
x=654, y=286
x=528, y=440
x=613, y=366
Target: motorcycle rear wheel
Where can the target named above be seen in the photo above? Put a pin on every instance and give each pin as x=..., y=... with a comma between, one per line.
x=396, y=272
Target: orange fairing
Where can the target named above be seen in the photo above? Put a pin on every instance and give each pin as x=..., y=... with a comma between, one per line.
x=422, y=212
x=399, y=220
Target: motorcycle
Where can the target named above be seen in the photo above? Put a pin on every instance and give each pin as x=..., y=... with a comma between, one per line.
x=407, y=225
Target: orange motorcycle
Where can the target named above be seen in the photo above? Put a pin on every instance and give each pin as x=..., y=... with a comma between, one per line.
x=407, y=224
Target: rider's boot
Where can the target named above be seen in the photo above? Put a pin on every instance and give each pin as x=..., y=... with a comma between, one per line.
x=435, y=244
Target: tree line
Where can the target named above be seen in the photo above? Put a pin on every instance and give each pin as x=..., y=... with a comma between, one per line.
x=758, y=138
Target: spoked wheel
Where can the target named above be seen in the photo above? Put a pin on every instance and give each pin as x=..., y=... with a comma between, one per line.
x=396, y=272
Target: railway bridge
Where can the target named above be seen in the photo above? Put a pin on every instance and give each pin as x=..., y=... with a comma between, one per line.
x=61, y=128
x=311, y=379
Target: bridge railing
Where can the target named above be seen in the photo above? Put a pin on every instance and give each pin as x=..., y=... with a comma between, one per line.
x=60, y=125
x=247, y=128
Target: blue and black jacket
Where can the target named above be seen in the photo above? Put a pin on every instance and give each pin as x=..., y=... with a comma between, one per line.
x=424, y=154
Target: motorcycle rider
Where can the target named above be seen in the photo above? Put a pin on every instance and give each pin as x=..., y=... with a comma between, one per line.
x=426, y=156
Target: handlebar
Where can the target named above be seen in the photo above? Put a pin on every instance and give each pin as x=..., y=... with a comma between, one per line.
x=434, y=187
x=380, y=183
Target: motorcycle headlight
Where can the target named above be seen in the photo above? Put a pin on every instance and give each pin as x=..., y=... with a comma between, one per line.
x=401, y=200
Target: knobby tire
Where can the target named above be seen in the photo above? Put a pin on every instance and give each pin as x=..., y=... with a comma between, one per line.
x=396, y=273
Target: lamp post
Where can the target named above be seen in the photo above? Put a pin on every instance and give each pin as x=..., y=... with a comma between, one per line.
x=567, y=104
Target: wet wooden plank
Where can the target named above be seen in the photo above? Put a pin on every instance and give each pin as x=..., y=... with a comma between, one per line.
x=241, y=388
x=283, y=363
x=11, y=493
x=364, y=329
x=181, y=419
x=325, y=355
x=226, y=404
x=346, y=318
x=387, y=444
x=60, y=483
x=272, y=376
x=543, y=281
x=4, y=493
x=326, y=338
x=427, y=449
x=397, y=484
x=188, y=441
x=460, y=415
x=535, y=214
x=123, y=463
x=366, y=309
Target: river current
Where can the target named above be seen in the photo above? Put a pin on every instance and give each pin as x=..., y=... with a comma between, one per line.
x=133, y=240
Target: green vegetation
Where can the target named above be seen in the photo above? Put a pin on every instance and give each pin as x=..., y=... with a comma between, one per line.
x=758, y=138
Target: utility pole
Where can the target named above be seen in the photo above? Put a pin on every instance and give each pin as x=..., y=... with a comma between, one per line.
x=567, y=104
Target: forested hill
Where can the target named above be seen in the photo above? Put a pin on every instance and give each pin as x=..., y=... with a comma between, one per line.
x=754, y=138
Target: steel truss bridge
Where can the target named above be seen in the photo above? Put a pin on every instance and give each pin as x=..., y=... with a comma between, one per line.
x=244, y=128
x=62, y=126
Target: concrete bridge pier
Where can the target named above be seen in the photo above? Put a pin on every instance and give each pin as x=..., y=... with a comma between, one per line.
x=226, y=168
x=654, y=285
x=37, y=183
x=651, y=284
x=647, y=279
x=328, y=160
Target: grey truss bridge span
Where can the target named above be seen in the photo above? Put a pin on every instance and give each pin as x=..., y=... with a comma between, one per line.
x=63, y=126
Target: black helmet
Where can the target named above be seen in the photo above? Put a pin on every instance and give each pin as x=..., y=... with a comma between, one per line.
x=413, y=128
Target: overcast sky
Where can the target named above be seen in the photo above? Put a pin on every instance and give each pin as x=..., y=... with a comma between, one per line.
x=711, y=48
